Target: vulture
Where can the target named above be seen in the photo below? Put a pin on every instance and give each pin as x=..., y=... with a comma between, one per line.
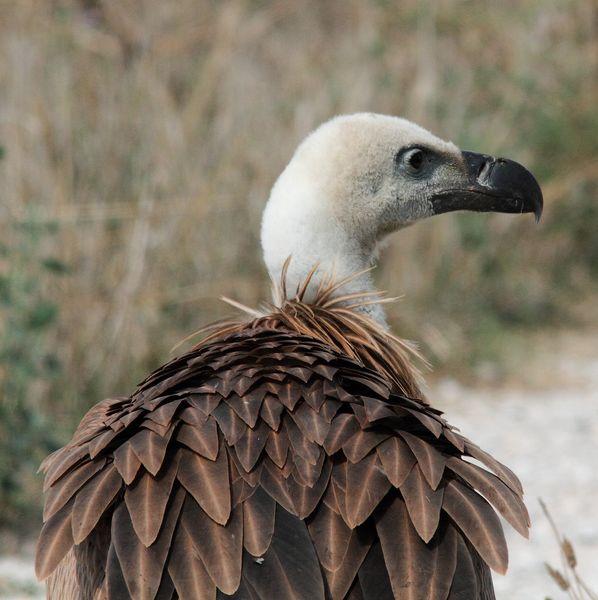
x=292, y=454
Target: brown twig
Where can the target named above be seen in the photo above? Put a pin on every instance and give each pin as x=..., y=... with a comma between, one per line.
x=568, y=580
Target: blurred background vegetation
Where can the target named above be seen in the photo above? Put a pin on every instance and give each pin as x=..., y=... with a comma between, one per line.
x=139, y=140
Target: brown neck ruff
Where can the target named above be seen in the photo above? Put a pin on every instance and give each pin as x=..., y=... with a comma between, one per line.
x=336, y=320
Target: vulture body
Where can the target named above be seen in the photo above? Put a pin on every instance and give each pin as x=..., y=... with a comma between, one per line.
x=290, y=455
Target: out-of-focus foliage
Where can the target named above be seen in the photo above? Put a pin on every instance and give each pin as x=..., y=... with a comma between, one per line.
x=140, y=139
x=28, y=370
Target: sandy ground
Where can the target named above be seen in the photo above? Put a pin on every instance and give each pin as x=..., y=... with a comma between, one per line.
x=545, y=427
x=550, y=439
x=547, y=434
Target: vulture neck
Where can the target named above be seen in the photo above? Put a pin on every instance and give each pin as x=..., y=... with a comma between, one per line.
x=302, y=221
x=337, y=257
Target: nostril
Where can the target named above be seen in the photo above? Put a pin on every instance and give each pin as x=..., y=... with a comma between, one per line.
x=485, y=169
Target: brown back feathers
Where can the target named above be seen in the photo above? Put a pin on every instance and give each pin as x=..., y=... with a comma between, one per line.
x=286, y=457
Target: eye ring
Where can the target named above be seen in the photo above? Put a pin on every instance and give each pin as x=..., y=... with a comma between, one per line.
x=414, y=160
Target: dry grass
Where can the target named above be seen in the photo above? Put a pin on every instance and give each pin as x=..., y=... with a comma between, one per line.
x=567, y=579
x=140, y=139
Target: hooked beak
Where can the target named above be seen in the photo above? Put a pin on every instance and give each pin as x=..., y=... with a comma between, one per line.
x=492, y=185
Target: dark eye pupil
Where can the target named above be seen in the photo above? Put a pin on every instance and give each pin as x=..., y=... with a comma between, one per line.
x=416, y=158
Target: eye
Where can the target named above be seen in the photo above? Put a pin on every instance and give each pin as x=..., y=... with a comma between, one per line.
x=414, y=159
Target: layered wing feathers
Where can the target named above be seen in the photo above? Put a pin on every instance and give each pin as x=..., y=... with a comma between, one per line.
x=267, y=464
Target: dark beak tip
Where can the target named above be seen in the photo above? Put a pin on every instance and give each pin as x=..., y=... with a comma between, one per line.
x=538, y=212
x=511, y=176
x=537, y=200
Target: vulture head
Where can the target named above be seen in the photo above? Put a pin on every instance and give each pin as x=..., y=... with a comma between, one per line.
x=359, y=177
